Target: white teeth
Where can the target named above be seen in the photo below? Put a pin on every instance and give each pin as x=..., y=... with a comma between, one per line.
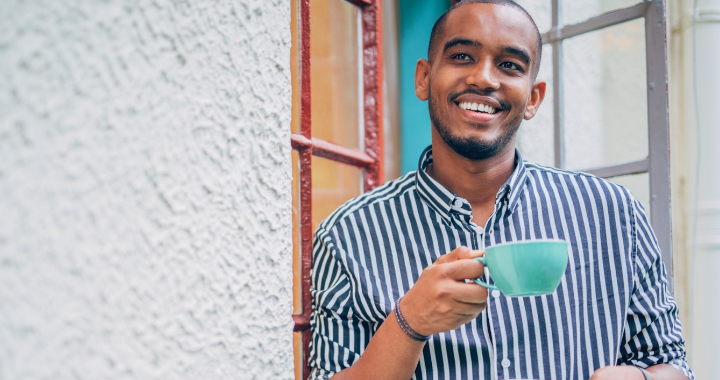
x=477, y=107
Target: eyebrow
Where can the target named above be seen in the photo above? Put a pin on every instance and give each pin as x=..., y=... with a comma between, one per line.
x=460, y=41
x=516, y=51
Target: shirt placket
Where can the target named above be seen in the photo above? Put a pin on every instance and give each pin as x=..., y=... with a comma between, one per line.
x=501, y=362
x=482, y=238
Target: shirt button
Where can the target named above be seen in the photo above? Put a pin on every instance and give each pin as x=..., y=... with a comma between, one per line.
x=458, y=203
x=496, y=293
x=505, y=363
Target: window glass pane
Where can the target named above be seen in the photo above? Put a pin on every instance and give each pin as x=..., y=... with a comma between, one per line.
x=335, y=68
x=333, y=184
x=575, y=11
x=297, y=349
x=536, y=137
x=541, y=12
x=606, y=96
x=639, y=186
x=297, y=297
x=295, y=65
x=297, y=289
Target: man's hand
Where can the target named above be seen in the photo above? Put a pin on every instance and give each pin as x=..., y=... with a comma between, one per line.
x=441, y=300
x=656, y=372
x=618, y=373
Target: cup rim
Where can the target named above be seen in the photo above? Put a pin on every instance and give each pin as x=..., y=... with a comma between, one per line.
x=528, y=242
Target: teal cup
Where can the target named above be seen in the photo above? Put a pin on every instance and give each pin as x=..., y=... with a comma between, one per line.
x=525, y=268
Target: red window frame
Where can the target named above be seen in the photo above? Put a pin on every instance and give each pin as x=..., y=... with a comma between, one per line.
x=371, y=160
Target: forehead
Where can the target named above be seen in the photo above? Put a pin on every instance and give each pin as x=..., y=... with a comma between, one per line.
x=491, y=24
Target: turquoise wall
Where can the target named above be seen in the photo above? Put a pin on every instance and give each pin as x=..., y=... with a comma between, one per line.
x=416, y=20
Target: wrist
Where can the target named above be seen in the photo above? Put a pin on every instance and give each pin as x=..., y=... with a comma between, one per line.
x=412, y=317
x=405, y=325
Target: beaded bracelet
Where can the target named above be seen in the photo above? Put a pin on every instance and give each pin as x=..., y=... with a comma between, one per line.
x=414, y=335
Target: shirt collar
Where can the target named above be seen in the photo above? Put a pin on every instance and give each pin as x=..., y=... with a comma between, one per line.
x=445, y=202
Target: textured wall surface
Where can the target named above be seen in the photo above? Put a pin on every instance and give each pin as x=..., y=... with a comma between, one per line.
x=145, y=226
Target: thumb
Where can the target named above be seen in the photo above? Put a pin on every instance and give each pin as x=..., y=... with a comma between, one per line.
x=470, y=254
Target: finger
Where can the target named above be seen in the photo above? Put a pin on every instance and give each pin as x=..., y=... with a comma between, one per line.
x=458, y=253
x=452, y=256
x=469, y=254
x=472, y=293
x=463, y=269
x=467, y=309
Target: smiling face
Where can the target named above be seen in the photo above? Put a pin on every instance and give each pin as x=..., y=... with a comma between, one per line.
x=480, y=81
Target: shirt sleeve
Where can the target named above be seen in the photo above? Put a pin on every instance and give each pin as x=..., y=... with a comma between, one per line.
x=338, y=336
x=653, y=334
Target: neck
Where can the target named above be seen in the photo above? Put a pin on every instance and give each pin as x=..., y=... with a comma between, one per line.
x=478, y=181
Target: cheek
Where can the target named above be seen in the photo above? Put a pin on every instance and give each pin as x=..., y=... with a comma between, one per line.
x=444, y=82
x=520, y=97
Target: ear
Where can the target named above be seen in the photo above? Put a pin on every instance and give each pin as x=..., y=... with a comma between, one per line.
x=537, y=94
x=422, y=79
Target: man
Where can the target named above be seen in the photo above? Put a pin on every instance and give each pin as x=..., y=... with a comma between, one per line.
x=412, y=240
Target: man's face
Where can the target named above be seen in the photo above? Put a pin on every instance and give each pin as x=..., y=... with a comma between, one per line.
x=479, y=81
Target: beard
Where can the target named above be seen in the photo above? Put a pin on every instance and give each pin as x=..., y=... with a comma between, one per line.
x=471, y=148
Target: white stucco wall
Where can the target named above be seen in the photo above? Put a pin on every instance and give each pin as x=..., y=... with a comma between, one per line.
x=145, y=226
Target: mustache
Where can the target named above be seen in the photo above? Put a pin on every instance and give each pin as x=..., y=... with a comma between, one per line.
x=505, y=105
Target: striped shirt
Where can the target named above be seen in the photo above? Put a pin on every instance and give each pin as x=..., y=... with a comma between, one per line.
x=612, y=306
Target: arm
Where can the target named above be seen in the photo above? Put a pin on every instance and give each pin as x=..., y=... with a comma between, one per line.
x=439, y=301
x=652, y=333
x=389, y=342
x=656, y=372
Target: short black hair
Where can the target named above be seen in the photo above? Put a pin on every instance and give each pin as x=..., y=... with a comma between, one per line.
x=439, y=27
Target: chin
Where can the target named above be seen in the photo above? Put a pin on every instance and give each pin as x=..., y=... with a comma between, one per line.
x=476, y=148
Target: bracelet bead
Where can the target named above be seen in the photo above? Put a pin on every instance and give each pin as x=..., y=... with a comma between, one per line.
x=414, y=335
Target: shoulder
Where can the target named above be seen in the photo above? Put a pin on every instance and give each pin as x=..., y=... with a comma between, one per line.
x=580, y=186
x=381, y=195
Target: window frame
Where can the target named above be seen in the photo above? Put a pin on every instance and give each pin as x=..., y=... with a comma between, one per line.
x=370, y=159
x=657, y=163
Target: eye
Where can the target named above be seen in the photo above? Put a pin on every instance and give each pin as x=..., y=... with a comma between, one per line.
x=511, y=66
x=461, y=57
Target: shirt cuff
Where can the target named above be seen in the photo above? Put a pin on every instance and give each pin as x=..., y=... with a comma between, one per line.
x=320, y=374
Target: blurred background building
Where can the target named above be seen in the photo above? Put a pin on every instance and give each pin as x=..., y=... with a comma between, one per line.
x=151, y=202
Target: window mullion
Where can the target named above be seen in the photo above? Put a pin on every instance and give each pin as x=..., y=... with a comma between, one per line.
x=302, y=321
x=373, y=95
x=330, y=151
x=558, y=103
x=596, y=23
x=624, y=168
x=658, y=131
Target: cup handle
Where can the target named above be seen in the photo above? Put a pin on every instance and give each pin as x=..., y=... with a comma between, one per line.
x=482, y=260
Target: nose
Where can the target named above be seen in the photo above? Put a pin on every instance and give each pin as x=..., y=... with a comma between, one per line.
x=484, y=76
